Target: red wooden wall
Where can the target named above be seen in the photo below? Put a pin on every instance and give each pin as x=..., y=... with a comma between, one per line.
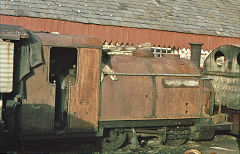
x=119, y=34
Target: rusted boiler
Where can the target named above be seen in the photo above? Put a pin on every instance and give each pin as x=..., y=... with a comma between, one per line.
x=64, y=88
x=156, y=88
x=223, y=67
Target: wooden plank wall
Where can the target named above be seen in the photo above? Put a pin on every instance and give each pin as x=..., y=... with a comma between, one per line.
x=119, y=34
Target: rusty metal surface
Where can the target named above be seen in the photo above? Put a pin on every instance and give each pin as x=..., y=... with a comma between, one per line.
x=6, y=66
x=39, y=108
x=171, y=56
x=83, y=108
x=177, y=102
x=209, y=97
x=119, y=34
x=12, y=32
x=144, y=52
x=223, y=66
x=69, y=40
x=236, y=123
x=144, y=97
x=119, y=97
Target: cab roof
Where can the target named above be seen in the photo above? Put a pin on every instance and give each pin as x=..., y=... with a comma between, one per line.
x=12, y=32
x=63, y=40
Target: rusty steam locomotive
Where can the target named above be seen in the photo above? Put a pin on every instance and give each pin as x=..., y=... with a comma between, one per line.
x=63, y=87
x=223, y=67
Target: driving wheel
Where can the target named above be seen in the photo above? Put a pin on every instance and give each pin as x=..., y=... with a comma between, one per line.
x=115, y=139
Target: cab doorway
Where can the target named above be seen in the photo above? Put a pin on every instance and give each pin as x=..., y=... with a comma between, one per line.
x=63, y=72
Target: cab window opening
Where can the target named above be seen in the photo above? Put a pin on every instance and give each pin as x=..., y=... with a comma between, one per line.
x=62, y=61
x=219, y=58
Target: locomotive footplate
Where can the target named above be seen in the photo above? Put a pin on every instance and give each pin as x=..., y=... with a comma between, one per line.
x=207, y=132
x=227, y=126
x=224, y=126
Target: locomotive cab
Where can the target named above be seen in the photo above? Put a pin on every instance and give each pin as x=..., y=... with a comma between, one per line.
x=65, y=99
x=59, y=94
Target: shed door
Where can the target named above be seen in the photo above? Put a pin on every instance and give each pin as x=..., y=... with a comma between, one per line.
x=83, y=109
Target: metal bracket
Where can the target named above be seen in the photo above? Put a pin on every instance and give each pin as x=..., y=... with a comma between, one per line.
x=163, y=135
x=134, y=139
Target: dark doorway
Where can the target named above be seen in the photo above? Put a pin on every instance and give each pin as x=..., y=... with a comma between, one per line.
x=62, y=62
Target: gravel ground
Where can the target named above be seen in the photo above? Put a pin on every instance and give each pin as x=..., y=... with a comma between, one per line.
x=221, y=144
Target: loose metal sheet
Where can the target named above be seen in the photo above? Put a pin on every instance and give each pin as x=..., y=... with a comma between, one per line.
x=6, y=66
x=180, y=83
x=12, y=32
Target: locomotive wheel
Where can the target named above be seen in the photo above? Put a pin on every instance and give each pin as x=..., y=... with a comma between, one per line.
x=175, y=142
x=115, y=140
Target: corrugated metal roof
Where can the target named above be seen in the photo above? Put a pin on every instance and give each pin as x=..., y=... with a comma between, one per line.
x=6, y=66
x=215, y=17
